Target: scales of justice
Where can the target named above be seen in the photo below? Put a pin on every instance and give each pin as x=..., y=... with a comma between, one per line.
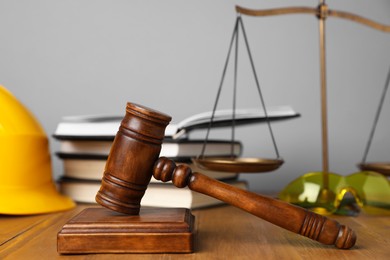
x=122, y=226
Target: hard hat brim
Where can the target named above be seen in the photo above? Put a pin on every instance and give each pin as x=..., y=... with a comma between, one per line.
x=38, y=200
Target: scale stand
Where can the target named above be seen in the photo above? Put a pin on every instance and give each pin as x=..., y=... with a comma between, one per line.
x=322, y=12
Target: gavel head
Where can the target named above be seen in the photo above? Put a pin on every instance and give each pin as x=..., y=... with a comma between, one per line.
x=129, y=166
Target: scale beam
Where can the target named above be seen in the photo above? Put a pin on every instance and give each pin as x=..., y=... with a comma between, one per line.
x=319, y=12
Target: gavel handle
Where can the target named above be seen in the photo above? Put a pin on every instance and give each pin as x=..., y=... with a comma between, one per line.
x=282, y=214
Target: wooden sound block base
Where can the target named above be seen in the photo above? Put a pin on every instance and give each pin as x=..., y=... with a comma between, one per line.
x=154, y=230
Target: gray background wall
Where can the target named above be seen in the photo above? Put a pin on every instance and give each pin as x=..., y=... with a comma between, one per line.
x=90, y=57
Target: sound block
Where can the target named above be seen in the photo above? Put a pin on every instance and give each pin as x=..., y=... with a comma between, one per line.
x=154, y=230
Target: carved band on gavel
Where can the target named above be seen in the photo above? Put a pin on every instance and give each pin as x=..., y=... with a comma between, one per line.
x=133, y=160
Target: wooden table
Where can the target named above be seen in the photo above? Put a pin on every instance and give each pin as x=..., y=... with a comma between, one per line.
x=222, y=232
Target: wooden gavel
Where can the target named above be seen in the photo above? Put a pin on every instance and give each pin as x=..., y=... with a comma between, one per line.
x=133, y=160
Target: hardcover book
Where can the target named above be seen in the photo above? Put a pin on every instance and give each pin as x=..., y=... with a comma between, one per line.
x=107, y=126
x=91, y=167
x=180, y=148
x=157, y=194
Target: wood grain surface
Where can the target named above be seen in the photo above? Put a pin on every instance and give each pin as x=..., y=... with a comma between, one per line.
x=223, y=232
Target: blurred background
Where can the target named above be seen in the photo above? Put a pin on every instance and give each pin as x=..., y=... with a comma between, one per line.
x=75, y=57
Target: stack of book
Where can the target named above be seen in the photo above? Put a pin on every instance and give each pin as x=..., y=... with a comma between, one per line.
x=85, y=143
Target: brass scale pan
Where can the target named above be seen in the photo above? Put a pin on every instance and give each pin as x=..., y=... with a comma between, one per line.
x=247, y=165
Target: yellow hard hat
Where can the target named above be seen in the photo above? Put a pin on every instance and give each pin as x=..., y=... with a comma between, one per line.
x=26, y=184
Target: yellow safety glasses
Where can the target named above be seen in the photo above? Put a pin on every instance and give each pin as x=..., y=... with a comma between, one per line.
x=369, y=190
